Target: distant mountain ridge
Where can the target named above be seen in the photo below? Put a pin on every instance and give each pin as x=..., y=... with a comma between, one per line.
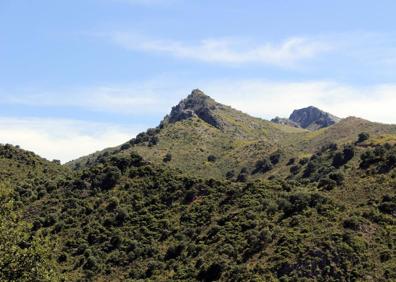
x=310, y=118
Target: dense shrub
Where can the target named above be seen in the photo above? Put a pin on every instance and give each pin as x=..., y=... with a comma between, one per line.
x=363, y=137
x=167, y=158
x=263, y=166
x=212, y=158
x=342, y=158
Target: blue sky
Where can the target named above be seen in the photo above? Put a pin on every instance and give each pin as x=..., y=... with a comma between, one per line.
x=77, y=76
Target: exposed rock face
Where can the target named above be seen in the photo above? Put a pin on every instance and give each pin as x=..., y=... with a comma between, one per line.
x=313, y=118
x=310, y=118
x=285, y=121
x=198, y=104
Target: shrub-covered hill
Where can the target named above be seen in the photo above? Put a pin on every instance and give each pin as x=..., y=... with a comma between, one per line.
x=18, y=165
x=204, y=138
x=125, y=219
x=24, y=179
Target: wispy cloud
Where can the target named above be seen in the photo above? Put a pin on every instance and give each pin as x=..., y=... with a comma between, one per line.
x=288, y=53
x=269, y=99
x=256, y=97
x=62, y=139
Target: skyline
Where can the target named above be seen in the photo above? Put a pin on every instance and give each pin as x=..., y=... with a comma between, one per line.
x=78, y=77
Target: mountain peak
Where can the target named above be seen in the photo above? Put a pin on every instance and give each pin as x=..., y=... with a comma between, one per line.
x=311, y=118
x=196, y=104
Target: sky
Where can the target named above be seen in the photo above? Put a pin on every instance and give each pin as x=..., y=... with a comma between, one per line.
x=77, y=76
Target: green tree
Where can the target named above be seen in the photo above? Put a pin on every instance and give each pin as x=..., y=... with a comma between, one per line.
x=23, y=256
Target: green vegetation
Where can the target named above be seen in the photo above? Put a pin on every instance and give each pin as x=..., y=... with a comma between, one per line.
x=23, y=256
x=208, y=195
x=125, y=218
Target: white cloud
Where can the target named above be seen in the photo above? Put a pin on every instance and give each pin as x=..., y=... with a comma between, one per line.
x=256, y=97
x=270, y=99
x=288, y=53
x=63, y=139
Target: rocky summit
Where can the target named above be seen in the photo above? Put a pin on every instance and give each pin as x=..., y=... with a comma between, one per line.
x=313, y=118
x=310, y=118
x=196, y=104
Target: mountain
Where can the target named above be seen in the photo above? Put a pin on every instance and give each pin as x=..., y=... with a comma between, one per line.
x=211, y=194
x=310, y=118
x=204, y=138
x=313, y=118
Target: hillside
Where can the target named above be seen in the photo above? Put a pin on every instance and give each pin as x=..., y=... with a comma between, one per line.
x=204, y=138
x=331, y=219
x=212, y=194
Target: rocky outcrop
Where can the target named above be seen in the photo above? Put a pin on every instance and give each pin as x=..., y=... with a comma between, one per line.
x=310, y=118
x=196, y=104
x=313, y=118
x=285, y=121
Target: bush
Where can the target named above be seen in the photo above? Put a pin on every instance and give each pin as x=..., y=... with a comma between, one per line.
x=342, y=158
x=338, y=177
x=363, y=137
x=212, y=158
x=352, y=223
x=213, y=273
x=167, y=158
x=136, y=160
x=295, y=169
x=275, y=158
x=291, y=161
x=110, y=177
x=367, y=159
x=263, y=166
x=230, y=174
x=327, y=183
x=125, y=146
